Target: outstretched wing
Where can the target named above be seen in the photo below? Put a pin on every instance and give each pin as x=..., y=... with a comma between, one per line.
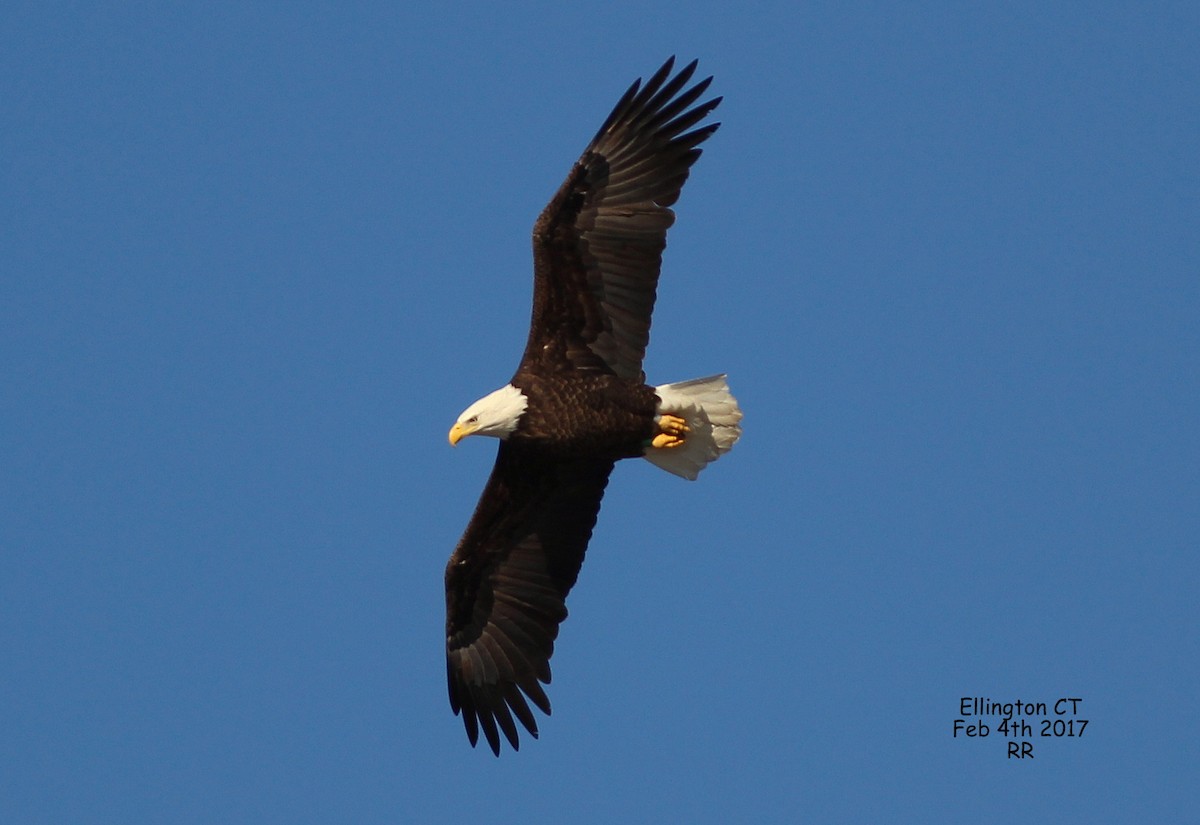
x=597, y=246
x=507, y=583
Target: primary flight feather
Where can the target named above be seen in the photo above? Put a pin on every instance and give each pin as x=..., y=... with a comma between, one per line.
x=577, y=404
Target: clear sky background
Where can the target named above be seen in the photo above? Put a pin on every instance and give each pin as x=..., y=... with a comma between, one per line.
x=256, y=258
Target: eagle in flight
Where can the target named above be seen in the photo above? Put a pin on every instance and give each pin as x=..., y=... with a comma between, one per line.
x=577, y=403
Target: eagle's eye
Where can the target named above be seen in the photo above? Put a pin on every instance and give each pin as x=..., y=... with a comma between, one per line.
x=473, y=419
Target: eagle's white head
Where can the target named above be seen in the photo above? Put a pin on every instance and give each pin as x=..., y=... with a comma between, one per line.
x=496, y=414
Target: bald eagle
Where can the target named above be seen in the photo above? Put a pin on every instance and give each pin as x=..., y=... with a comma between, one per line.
x=577, y=404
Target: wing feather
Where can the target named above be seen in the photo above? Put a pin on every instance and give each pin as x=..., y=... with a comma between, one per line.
x=598, y=244
x=506, y=587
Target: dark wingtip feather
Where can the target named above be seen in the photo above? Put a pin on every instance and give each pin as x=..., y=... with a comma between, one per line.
x=619, y=110
x=488, y=723
x=503, y=718
x=658, y=77
x=520, y=708
x=653, y=98
x=472, y=726
x=536, y=695
x=647, y=98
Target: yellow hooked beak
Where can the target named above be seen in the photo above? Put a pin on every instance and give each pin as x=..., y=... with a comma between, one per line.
x=457, y=433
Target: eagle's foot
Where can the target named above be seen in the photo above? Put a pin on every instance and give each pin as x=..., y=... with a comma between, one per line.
x=673, y=430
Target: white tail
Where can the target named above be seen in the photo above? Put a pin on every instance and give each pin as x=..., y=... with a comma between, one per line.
x=712, y=415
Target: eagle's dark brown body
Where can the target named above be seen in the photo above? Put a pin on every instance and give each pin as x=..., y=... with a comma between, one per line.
x=563, y=413
x=597, y=250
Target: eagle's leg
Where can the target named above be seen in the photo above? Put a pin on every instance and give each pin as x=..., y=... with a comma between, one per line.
x=672, y=431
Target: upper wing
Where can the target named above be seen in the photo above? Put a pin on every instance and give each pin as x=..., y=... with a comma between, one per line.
x=506, y=586
x=597, y=246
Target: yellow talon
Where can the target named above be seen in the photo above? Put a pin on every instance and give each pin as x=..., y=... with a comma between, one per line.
x=672, y=430
x=672, y=425
x=664, y=440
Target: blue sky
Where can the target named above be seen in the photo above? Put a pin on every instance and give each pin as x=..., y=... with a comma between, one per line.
x=257, y=258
